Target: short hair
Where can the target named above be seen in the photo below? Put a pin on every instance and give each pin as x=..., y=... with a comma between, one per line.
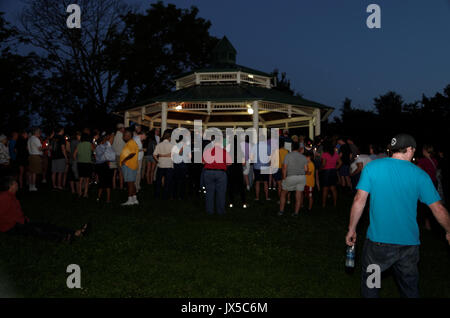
x=85, y=137
x=167, y=134
x=400, y=150
x=128, y=131
x=35, y=130
x=295, y=145
x=428, y=148
x=6, y=182
x=309, y=154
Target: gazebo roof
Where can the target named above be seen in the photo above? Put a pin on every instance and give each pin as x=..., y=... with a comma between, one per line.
x=232, y=93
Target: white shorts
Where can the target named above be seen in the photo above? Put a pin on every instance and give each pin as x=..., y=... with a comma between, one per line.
x=294, y=183
x=246, y=169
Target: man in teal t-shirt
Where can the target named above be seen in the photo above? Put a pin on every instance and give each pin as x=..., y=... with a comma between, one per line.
x=395, y=185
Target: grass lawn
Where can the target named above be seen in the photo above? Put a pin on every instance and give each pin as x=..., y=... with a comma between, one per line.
x=173, y=249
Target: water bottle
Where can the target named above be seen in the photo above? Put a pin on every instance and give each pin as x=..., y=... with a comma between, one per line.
x=350, y=259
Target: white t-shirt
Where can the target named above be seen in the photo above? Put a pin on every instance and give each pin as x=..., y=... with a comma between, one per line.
x=118, y=143
x=33, y=146
x=364, y=159
x=164, y=148
x=137, y=139
x=185, y=156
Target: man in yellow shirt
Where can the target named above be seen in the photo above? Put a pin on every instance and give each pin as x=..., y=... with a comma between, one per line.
x=281, y=153
x=129, y=165
x=310, y=179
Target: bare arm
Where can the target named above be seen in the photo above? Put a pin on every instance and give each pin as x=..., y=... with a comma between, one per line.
x=441, y=215
x=359, y=202
x=284, y=171
x=358, y=169
x=131, y=155
x=339, y=163
x=63, y=149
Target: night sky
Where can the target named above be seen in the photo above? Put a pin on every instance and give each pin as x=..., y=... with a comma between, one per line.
x=325, y=47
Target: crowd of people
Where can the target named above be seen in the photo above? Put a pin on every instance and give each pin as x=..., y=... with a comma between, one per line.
x=391, y=174
x=131, y=156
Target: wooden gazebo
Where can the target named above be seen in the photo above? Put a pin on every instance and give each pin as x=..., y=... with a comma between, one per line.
x=227, y=95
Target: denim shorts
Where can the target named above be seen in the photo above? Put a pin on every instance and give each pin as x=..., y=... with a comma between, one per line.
x=278, y=175
x=129, y=175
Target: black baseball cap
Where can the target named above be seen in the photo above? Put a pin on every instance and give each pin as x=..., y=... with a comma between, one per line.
x=401, y=141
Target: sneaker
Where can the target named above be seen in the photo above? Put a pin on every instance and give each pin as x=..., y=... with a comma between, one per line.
x=33, y=189
x=129, y=202
x=134, y=200
x=244, y=206
x=288, y=202
x=248, y=188
x=280, y=213
x=294, y=214
x=44, y=181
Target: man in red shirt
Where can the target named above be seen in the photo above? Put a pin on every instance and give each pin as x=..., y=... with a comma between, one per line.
x=215, y=160
x=13, y=221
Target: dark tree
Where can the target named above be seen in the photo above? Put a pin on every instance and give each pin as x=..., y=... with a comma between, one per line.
x=78, y=55
x=389, y=104
x=18, y=90
x=157, y=46
x=282, y=83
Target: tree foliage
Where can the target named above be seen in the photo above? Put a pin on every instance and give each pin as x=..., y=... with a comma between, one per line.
x=427, y=120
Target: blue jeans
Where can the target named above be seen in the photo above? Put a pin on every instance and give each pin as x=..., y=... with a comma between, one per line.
x=216, y=187
x=403, y=259
x=179, y=180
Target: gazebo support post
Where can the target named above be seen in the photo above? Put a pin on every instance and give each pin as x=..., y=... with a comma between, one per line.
x=317, y=121
x=127, y=119
x=311, y=129
x=163, y=117
x=255, y=119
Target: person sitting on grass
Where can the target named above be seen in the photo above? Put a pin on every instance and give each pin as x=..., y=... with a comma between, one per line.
x=13, y=221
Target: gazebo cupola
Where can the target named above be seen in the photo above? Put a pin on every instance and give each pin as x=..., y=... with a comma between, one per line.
x=226, y=94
